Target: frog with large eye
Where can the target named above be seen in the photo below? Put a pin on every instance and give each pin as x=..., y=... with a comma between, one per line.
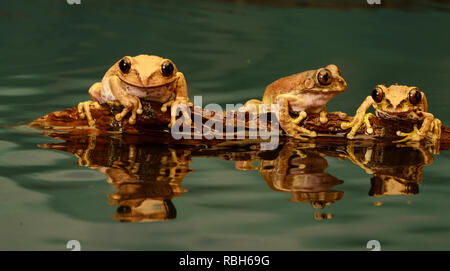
x=130, y=79
x=397, y=103
x=302, y=93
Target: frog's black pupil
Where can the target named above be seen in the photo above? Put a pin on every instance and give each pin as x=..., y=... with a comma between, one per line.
x=418, y=96
x=415, y=97
x=324, y=77
x=124, y=66
x=377, y=95
x=167, y=68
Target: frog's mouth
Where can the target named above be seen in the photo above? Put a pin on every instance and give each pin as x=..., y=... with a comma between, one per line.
x=324, y=90
x=394, y=114
x=149, y=87
x=161, y=92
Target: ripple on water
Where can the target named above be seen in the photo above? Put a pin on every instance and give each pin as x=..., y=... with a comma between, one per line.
x=23, y=91
x=30, y=158
x=83, y=175
x=6, y=145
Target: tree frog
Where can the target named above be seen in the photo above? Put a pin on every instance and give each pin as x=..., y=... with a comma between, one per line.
x=130, y=79
x=302, y=93
x=397, y=103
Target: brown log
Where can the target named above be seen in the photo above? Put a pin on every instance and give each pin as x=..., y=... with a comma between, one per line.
x=154, y=124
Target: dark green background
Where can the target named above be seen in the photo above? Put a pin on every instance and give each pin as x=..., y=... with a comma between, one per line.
x=52, y=52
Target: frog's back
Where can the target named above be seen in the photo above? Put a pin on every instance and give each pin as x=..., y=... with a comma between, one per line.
x=284, y=85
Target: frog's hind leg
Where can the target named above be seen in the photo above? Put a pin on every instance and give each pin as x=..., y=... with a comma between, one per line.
x=252, y=106
x=84, y=108
x=290, y=125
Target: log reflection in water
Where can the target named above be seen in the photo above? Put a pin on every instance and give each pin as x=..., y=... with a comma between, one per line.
x=147, y=175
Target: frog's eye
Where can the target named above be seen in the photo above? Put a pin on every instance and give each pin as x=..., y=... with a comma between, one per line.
x=324, y=77
x=167, y=68
x=414, y=96
x=377, y=94
x=125, y=65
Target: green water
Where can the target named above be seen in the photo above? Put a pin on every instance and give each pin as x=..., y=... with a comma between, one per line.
x=229, y=51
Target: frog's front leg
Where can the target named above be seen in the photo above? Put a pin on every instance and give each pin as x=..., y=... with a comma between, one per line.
x=429, y=124
x=84, y=108
x=130, y=103
x=358, y=119
x=181, y=98
x=290, y=125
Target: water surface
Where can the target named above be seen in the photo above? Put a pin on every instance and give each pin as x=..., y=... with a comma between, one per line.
x=229, y=51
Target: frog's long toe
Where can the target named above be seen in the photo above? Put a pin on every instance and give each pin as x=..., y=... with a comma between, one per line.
x=84, y=111
x=415, y=135
x=295, y=131
x=183, y=105
x=346, y=125
x=300, y=117
x=367, y=117
x=436, y=126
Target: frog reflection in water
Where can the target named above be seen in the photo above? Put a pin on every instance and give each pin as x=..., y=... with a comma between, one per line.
x=146, y=177
x=395, y=170
x=398, y=103
x=299, y=172
x=145, y=194
x=141, y=77
x=302, y=93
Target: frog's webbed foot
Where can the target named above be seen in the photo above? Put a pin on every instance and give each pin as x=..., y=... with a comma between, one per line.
x=134, y=105
x=292, y=127
x=356, y=123
x=294, y=130
x=84, y=111
x=435, y=130
x=432, y=136
x=414, y=135
x=183, y=103
x=359, y=118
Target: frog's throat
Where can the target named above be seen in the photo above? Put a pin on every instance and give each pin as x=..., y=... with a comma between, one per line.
x=149, y=86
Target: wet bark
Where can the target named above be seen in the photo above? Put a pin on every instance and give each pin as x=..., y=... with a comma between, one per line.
x=153, y=123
